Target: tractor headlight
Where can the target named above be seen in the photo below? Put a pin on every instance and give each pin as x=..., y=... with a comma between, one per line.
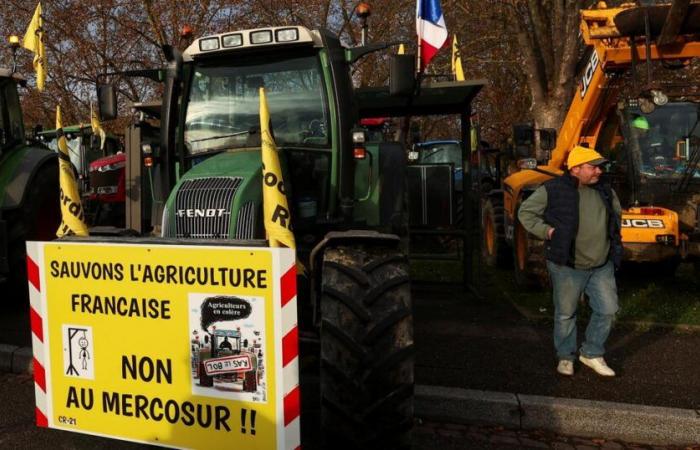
x=358, y=137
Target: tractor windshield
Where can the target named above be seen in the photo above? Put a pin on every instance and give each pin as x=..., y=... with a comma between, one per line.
x=441, y=153
x=663, y=141
x=223, y=104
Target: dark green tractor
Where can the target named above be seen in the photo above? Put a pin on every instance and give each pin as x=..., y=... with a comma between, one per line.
x=346, y=195
x=29, y=204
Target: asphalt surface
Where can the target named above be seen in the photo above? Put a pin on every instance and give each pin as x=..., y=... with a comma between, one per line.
x=486, y=344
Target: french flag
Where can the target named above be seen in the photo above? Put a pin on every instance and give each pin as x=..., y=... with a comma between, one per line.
x=431, y=29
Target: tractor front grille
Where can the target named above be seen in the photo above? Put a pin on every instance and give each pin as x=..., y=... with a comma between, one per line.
x=203, y=208
x=245, y=226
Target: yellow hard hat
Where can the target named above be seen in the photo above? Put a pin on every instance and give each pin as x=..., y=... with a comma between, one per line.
x=582, y=155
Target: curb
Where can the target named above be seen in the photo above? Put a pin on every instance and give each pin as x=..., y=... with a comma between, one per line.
x=14, y=359
x=585, y=418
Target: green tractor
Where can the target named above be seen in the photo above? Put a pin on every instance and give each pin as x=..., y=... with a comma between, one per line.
x=346, y=196
x=29, y=205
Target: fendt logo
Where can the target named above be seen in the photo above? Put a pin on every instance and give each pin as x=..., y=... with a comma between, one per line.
x=642, y=223
x=203, y=212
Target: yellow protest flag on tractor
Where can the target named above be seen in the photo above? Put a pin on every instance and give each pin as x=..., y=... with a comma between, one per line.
x=457, y=71
x=97, y=127
x=34, y=41
x=72, y=215
x=278, y=226
x=402, y=50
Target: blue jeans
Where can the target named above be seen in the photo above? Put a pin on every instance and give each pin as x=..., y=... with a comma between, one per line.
x=567, y=286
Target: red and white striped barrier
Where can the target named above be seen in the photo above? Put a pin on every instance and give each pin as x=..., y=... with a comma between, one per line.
x=37, y=325
x=290, y=354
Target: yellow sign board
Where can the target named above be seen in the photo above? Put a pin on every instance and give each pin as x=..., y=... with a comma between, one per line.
x=187, y=346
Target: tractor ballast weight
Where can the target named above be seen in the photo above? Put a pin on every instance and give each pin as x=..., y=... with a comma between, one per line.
x=345, y=194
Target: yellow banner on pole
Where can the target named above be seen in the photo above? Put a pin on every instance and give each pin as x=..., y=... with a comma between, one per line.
x=72, y=214
x=278, y=225
x=456, y=61
x=34, y=41
x=97, y=127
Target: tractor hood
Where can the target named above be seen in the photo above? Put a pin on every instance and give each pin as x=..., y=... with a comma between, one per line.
x=219, y=198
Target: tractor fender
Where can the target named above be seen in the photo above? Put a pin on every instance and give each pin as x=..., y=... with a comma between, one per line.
x=32, y=159
x=334, y=238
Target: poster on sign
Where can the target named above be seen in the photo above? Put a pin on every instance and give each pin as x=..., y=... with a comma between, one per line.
x=187, y=346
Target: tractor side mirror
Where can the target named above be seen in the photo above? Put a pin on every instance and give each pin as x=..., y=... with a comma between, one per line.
x=402, y=80
x=548, y=139
x=107, y=101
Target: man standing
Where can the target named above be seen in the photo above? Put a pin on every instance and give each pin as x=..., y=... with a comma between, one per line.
x=579, y=219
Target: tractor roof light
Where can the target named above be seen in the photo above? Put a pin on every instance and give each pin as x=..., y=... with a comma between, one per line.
x=209, y=44
x=232, y=40
x=287, y=35
x=261, y=37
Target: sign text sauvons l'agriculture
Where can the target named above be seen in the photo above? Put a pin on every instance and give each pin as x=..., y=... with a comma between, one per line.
x=167, y=344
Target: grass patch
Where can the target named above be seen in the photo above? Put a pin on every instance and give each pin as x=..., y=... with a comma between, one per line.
x=644, y=297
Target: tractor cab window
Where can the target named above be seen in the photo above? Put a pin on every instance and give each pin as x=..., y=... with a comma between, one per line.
x=663, y=141
x=223, y=104
x=442, y=153
x=12, y=128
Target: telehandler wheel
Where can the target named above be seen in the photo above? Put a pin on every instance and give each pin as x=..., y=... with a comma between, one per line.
x=494, y=246
x=528, y=260
x=36, y=220
x=366, y=348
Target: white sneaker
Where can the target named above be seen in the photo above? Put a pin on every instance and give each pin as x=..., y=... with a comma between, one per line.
x=566, y=367
x=598, y=365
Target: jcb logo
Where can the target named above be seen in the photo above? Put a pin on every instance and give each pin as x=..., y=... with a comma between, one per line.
x=588, y=73
x=642, y=223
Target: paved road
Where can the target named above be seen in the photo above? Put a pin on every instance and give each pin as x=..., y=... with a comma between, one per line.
x=486, y=344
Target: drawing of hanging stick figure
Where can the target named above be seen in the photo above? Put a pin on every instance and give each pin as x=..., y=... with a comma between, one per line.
x=84, y=353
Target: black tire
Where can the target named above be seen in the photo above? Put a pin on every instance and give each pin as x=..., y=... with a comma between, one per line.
x=494, y=247
x=36, y=220
x=366, y=348
x=529, y=266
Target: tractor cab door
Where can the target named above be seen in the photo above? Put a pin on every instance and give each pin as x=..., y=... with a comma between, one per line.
x=11, y=126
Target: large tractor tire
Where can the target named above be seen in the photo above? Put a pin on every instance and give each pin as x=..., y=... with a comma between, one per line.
x=366, y=348
x=36, y=220
x=494, y=247
x=528, y=260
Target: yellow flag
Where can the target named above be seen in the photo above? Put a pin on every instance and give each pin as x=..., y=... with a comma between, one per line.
x=402, y=50
x=72, y=215
x=97, y=127
x=457, y=71
x=34, y=41
x=278, y=226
